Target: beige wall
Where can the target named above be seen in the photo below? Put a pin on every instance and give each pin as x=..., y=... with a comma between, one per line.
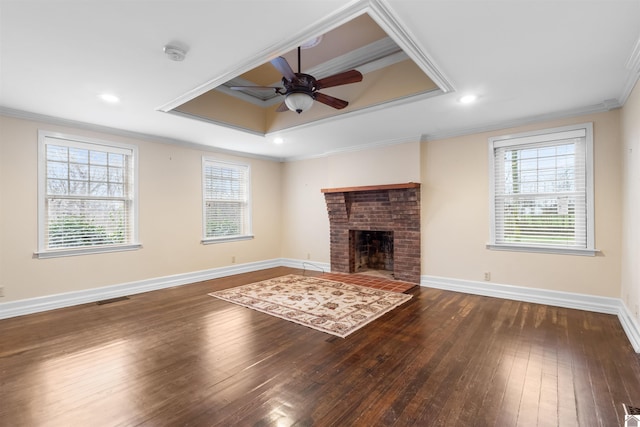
x=631, y=203
x=455, y=216
x=305, y=220
x=391, y=164
x=170, y=206
x=290, y=218
x=305, y=231
x=455, y=209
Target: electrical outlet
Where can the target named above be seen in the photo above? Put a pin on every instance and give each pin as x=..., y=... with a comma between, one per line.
x=308, y=256
x=487, y=275
x=233, y=259
x=637, y=312
x=1, y=291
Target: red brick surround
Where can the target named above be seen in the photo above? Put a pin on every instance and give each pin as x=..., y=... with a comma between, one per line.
x=393, y=208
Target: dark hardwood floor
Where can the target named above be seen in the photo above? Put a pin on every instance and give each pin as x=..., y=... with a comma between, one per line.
x=180, y=357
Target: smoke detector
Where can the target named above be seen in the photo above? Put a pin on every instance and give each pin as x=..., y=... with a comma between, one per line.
x=175, y=53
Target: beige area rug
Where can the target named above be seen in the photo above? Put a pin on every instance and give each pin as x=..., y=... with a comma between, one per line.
x=326, y=305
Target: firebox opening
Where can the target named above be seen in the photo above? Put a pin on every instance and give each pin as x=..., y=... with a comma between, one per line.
x=372, y=252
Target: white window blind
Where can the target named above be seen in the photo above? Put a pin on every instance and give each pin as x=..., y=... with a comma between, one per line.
x=87, y=194
x=226, y=200
x=542, y=194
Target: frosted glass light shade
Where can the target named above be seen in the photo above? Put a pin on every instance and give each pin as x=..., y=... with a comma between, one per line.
x=298, y=102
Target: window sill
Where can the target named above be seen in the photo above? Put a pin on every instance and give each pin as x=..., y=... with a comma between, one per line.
x=86, y=251
x=213, y=240
x=544, y=250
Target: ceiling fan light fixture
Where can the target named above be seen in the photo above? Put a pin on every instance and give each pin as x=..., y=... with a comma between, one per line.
x=298, y=101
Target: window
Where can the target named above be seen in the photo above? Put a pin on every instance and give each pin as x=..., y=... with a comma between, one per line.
x=541, y=189
x=226, y=200
x=86, y=196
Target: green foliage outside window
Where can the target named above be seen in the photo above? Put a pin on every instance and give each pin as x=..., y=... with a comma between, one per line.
x=78, y=231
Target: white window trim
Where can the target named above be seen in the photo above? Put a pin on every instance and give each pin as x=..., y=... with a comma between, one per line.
x=539, y=136
x=42, y=252
x=213, y=240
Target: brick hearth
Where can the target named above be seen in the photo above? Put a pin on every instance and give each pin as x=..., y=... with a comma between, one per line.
x=394, y=207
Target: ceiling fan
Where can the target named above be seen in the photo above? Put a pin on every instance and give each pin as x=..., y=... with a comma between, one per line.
x=300, y=90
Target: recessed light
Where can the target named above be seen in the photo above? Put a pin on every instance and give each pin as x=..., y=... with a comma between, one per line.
x=110, y=98
x=278, y=140
x=468, y=99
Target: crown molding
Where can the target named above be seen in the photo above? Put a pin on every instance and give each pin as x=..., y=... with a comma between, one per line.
x=388, y=104
x=378, y=10
x=369, y=58
x=633, y=65
x=355, y=148
x=339, y=17
x=357, y=58
x=253, y=96
x=610, y=104
x=603, y=107
x=26, y=115
x=381, y=12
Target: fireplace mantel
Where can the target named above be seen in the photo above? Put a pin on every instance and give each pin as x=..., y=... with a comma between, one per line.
x=372, y=188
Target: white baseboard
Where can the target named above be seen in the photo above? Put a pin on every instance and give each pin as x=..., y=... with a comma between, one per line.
x=51, y=302
x=325, y=267
x=543, y=296
x=518, y=293
x=630, y=326
x=521, y=293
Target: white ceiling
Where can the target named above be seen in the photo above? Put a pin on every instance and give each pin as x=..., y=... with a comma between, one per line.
x=526, y=61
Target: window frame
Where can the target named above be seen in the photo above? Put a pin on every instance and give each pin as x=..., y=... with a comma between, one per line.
x=68, y=140
x=539, y=136
x=248, y=219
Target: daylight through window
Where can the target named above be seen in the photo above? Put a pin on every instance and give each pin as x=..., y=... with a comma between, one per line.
x=226, y=201
x=542, y=192
x=87, y=195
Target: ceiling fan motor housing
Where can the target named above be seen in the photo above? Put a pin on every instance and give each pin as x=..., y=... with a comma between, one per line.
x=304, y=83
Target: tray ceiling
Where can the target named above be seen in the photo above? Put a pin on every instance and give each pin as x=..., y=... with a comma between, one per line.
x=360, y=43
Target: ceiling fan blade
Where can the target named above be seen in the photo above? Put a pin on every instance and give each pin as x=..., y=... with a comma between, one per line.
x=331, y=101
x=282, y=108
x=285, y=69
x=351, y=76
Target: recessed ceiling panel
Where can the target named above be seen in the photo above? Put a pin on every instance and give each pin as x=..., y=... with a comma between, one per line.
x=254, y=100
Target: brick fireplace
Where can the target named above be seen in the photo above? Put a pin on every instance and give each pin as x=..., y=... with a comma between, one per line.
x=376, y=217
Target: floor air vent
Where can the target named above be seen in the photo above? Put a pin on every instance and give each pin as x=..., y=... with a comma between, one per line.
x=109, y=301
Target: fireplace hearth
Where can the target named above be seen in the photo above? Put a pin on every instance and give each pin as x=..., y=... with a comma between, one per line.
x=375, y=219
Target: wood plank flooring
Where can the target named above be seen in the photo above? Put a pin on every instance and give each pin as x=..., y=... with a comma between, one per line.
x=179, y=357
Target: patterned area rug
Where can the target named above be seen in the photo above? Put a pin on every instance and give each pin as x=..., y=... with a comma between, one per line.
x=326, y=305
